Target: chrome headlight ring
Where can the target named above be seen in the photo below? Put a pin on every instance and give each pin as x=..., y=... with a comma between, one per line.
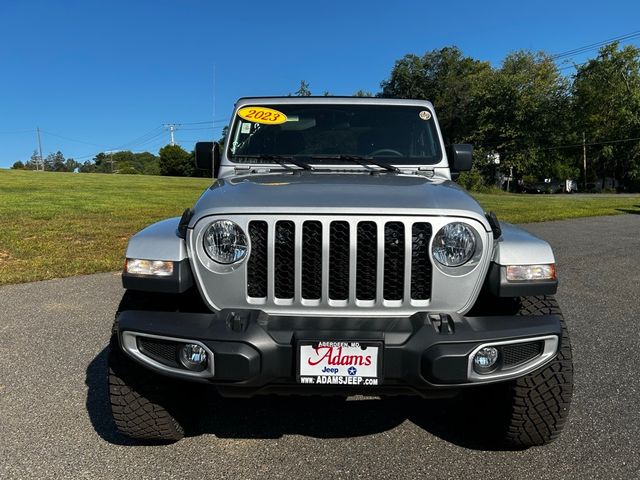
x=225, y=242
x=456, y=248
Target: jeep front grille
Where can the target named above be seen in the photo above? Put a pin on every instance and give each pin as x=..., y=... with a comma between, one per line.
x=354, y=262
x=339, y=261
x=257, y=263
x=284, y=269
x=312, y=260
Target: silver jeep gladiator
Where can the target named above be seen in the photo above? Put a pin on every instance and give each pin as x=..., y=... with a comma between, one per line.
x=334, y=255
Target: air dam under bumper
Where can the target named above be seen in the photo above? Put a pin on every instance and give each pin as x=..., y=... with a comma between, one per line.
x=256, y=353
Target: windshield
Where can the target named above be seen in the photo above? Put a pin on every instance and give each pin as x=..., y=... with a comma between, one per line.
x=400, y=134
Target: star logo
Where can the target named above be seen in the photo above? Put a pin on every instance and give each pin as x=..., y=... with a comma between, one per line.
x=352, y=370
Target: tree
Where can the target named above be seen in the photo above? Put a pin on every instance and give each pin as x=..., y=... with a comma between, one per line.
x=18, y=165
x=34, y=162
x=55, y=162
x=362, y=93
x=113, y=162
x=125, y=168
x=88, y=167
x=70, y=165
x=175, y=161
x=102, y=163
x=525, y=114
x=303, y=91
x=529, y=113
x=147, y=163
x=452, y=82
x=606, y=105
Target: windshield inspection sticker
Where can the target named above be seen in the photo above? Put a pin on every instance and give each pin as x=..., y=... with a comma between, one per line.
x=265, y=115
x=424, y=115
x=246, y=128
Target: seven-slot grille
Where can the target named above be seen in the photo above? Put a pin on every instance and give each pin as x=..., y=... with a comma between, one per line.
x=361, y=262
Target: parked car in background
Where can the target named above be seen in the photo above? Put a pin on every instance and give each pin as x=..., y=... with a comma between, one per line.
x=548, y=185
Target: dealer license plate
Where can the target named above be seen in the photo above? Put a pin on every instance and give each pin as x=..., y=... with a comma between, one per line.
x=339, y=363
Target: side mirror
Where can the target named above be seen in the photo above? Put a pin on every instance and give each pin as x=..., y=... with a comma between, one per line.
x=208, y=156
x=461, y=157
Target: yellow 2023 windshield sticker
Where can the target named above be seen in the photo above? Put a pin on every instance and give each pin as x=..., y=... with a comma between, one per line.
x=264, y=115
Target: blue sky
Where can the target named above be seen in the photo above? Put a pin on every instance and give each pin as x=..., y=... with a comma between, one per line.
x=99, y=75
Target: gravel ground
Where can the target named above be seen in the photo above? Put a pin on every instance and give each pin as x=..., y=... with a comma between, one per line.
x=55, y=423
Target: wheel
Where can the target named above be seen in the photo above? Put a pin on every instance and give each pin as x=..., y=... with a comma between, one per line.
x=531, y=410
x=139, y=400
x=539, y=402
x=143, y=403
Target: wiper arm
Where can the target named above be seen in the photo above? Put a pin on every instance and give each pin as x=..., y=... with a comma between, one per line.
x=279, y=159
x=364, y=160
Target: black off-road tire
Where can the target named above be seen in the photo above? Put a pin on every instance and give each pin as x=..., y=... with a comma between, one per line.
x=531, y=410
x=539, y=402
x=139, y=400
x=143, y=403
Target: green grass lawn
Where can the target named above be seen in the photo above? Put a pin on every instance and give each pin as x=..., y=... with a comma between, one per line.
x=527, y=208
x=61, y=224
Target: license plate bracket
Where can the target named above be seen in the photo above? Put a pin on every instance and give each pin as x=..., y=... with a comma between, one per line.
x=339, y=362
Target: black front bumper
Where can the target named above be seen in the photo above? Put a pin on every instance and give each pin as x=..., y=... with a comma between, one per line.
x=256, y=353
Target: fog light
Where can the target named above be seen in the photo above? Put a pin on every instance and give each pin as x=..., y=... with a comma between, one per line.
x=485, y=359
x=193, y=357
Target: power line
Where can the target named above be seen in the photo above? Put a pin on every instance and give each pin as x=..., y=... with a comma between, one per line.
x=142, y=140
x=72, y=139
x=575, y=65
x=150, y=140
x=591, y=144
x=592, y=46
x=574, y=145
x=156, y=131
x=221, y=120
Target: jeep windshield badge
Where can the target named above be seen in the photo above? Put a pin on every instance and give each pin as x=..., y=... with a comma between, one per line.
x=333, y=255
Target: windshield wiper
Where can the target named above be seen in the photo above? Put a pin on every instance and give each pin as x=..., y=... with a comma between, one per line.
x=364, y=160
x=279, y=159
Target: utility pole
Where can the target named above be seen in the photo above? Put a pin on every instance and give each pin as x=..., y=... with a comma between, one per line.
x=213, y=172
x=172, y=128
x=584, y=160
x=40, y=149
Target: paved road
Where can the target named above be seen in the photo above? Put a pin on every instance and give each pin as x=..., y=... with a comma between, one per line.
x=54, y=420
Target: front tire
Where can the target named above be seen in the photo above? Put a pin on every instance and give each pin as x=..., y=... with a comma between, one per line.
x=538, y=403
x=533, y=409
x=139, y=400
x=144, y=403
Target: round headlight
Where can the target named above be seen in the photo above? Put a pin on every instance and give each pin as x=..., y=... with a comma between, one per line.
x=454, y=244
x=225, y=242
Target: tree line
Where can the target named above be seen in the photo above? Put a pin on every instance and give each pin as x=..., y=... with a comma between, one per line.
x=530, y=115
x=171, y=160
x=527, y=118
